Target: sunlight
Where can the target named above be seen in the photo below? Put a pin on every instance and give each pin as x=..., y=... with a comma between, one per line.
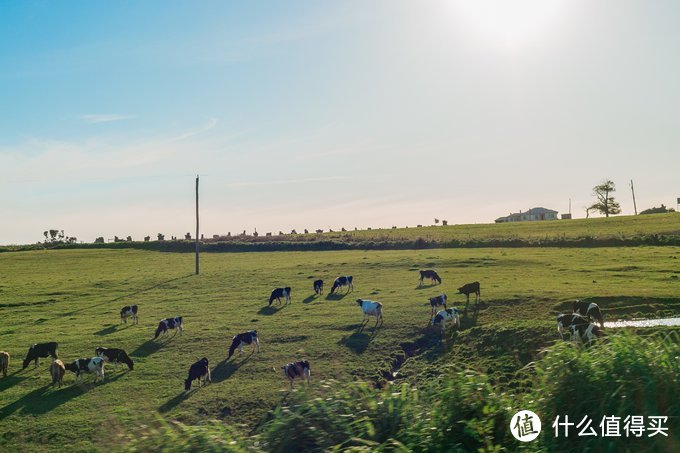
x=510, y=23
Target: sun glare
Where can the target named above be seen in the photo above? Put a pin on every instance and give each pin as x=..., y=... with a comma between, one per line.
x=511, y=23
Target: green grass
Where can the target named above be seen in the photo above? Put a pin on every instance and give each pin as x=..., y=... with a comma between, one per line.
x=612, y=227
x=73, y=297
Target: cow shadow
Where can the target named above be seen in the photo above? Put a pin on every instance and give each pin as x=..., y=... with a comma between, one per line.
x=430, y=286
x=173, y=402
x=309, y=299
x=107, y=330
x=149, y=347
x=226, y=368
x=469, y=318
x=269, y=310
x=11, y=380
x=46, y=398
x=336, y=296
x=357, y=342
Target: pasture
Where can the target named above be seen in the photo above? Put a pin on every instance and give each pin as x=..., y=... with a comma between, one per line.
x=74, y=297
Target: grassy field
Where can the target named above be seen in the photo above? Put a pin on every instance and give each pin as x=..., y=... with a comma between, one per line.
x=73, y=297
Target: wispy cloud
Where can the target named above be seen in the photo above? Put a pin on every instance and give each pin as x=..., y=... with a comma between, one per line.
x=287, y=181
x=105, y=117
x=212, y=122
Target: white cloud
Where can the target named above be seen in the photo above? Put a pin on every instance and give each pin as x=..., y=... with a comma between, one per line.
x=105, y=117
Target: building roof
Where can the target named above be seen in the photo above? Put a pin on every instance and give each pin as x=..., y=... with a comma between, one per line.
x=533, y=211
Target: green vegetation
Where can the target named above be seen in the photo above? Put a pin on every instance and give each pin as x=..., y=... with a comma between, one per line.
x=462, y=411
x=74, y=296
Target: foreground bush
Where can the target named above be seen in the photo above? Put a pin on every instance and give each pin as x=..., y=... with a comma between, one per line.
x=461, y=411
x=624, y=375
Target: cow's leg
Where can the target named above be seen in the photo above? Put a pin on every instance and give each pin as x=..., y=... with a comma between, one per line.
x=257, y=343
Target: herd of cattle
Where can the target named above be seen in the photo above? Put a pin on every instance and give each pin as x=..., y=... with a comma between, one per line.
x=579, y=324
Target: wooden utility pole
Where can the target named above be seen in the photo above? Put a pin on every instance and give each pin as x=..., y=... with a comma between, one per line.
x=197, y=225
x=633, y=190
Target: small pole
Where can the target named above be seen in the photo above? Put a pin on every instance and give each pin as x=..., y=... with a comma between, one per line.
x=196, y=224
x=633, y=190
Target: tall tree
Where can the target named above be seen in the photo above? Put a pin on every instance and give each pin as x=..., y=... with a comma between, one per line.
x=605, y=204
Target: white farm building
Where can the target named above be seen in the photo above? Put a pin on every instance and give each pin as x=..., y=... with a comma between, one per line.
x=531, y=214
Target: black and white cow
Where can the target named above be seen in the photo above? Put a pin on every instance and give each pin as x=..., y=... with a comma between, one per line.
x=39, y=350
x=243, y=339
x=371, y=308
x=278, y=293
x=564, y=322
x=92, y=365
x=295, y=370
x=432, y=275
x=589, y=310
x=585, y=333
x=115, y=356
x=318, y=287
x=468, y=289
x=449, y=314
x=346, y=280
x=129, y=311
x=169, y=323
x=438, y=301
x=199, y=370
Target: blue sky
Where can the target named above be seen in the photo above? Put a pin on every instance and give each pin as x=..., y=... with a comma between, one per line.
x=329, y=114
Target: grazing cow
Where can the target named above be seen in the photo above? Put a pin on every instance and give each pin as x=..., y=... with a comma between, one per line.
x=585, y=333
x=343, y=281
x=297, y=370
x=432, y=275
x=318, y=287
x=4, y=362
x=57, y=370
x=439, y=301
x=127, y=312
x=449, y=314
x=93, y=365
x=169, y=323
x=115, y=356
x=39, y=350
x=370, y=308
x=242, y=339
x=278, y=293
x=564, y=322
x=589, y=310
x=468, y=289
x=199, y=370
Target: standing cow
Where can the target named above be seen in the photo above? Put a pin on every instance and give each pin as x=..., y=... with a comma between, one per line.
x=39, y=350
x=169, y=324
x=243, y=339
x=81, y=366
x=129, y=311
x=278, y=293
x=470, y=288
x=339, y=282
x=432, y=275
x=318, y=287
x=589, y=310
